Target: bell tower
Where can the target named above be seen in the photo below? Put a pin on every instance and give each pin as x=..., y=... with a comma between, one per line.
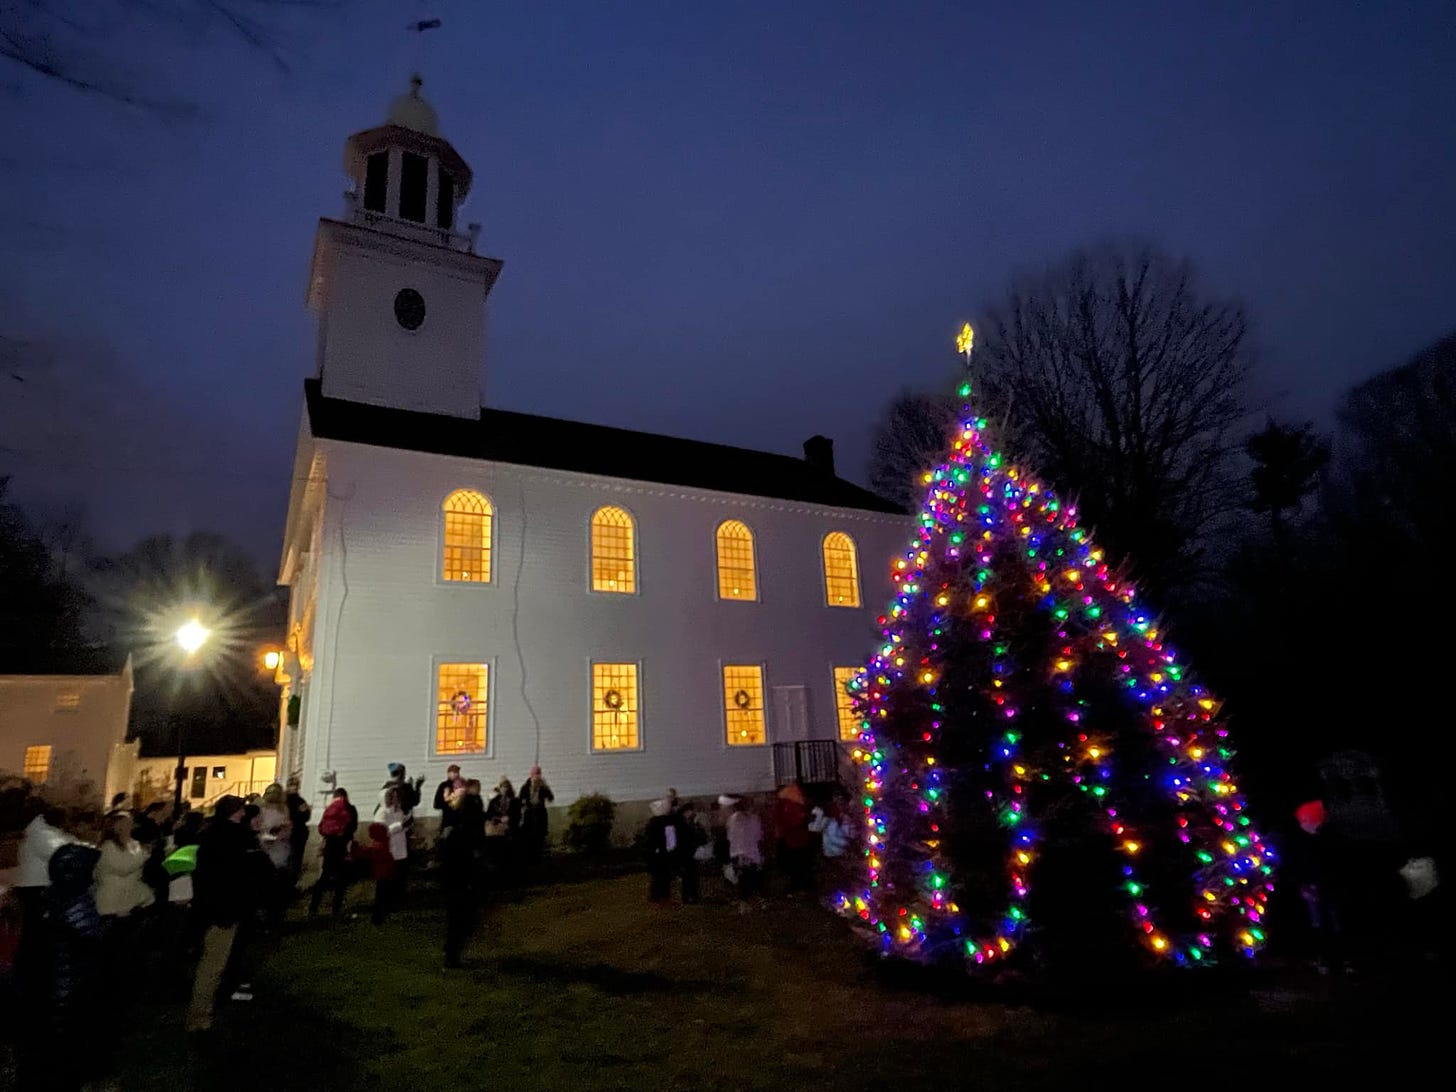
x=399, y=291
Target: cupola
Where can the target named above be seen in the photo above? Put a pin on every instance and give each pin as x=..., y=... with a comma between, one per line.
x=406, y=176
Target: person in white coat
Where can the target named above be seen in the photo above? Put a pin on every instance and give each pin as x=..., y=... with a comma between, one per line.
x=43, y=836
x=120, y=888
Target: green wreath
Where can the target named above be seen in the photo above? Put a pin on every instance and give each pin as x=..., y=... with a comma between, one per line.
x=742, y=699
x=612, y=699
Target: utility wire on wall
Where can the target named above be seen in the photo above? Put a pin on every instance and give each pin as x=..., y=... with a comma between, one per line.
x=516, y=630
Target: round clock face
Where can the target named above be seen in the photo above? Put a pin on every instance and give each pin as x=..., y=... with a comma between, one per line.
x=409, y=309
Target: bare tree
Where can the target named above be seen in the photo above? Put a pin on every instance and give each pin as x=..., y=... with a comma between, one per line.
x=85, y=46
x=1123, y=386
x=1397, y=460
x=913, y=436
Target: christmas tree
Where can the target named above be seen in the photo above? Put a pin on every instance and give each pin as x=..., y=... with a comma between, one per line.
x=1022, y=699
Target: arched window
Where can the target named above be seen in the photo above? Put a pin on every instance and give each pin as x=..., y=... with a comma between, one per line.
x=613, y=551
x=737, y=573
x=841, y=571
x=465, y=541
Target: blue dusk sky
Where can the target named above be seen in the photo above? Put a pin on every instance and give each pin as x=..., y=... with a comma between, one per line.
x=742, y=222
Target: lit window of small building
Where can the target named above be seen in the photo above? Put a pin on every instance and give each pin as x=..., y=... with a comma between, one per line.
x=613, y=551
x=743, y=705
x=37, y=763
x=67, y=701
x=463, y=693
x=614, y=707
x=841, y=570
x=849, y=719
x=467, y=517
x=737, y=572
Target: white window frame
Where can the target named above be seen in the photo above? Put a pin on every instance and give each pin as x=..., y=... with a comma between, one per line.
x=440, y=580
x=722, y=699
x=432, y=745
x=607, y=752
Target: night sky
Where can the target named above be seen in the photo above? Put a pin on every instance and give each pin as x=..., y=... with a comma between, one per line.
x=738, y=222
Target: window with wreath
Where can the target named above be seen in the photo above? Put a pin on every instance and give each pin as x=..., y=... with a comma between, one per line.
x=737, y=572
x=841, y=570
x=37, y=763
x=462, y=709
x=613, y=551
x=743, y=705
x=614, y=707
x=849, y=720
x=465, y=537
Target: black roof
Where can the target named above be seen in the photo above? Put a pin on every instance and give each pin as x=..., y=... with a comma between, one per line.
x=525, y=439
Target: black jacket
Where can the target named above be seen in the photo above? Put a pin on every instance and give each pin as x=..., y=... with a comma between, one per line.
x=222, y=882
x=74, y=931
x=442, y=805
x=461, y=845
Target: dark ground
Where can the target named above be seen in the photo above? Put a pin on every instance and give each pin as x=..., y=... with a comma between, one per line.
x=584, y=985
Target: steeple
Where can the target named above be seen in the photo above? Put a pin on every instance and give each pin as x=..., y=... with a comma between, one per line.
x=407, y=178
x=398, y=290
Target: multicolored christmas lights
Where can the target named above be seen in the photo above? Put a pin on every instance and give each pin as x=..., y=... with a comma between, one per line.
x=984, y=526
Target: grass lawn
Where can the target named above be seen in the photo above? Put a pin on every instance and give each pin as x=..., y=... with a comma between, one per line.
x=584, y=985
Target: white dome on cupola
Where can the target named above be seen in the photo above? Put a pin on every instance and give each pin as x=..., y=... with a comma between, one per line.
x=411, y=111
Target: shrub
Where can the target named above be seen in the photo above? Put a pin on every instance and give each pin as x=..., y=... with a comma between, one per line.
x=589, y=823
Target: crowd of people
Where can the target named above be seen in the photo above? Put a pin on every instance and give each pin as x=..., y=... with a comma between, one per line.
x=159, y=894
x=734, y=843
x=163, y=896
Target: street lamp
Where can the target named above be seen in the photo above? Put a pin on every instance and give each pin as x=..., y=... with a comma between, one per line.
x=272, y=658
x=191, y=636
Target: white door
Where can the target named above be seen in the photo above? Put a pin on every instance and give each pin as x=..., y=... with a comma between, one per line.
x=791, y=714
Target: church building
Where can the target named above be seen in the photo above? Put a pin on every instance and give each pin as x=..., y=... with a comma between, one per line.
x=478, y=586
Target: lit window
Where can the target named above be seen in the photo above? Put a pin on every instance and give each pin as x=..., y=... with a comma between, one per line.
x=70, y=700
x=737, y=574
x=37, y=763
x=743, y=704
x=841, y=571
x=849, y=719
x=219, y=773
x=467, y=516
x=460, y=716
x=613, y=552
x=614, y=707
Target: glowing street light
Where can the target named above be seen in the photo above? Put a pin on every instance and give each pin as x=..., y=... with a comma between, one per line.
x=272, y=658
x=192, y=636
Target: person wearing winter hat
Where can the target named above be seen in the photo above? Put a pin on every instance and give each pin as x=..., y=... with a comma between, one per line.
x=405, y=793
x=535, y=795
x=220, y=898
x=337, y=827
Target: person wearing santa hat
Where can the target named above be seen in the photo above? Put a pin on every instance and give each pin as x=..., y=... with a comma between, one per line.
x=1306, y=864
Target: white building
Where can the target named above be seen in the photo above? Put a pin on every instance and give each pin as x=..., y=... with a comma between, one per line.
x=630, y=610
x=63, y=723
x=204, y=777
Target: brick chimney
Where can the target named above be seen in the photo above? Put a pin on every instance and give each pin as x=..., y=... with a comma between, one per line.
x=819, y=453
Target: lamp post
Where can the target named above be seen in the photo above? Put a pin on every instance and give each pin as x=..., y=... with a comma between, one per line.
x=190, y=638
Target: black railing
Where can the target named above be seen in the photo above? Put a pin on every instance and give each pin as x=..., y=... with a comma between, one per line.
x=806, y=762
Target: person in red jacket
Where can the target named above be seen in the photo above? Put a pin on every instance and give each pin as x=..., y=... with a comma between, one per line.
x=791, y=828
x=337, y=827
x=384, y=869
